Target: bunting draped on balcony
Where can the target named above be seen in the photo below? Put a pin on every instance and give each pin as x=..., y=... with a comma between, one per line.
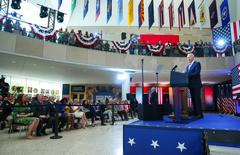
x=155, y=49
x=186, y=48
x=43, y=32
x=86, y=41
x=122, y=46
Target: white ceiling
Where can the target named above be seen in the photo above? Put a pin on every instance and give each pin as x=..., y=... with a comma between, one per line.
x=75, y=73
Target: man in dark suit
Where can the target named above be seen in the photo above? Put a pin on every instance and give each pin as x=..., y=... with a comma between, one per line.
x=195, y=85
x=154, y=96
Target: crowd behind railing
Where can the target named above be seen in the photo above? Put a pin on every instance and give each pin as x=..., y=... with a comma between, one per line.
x=133, y=46
x=41, y=112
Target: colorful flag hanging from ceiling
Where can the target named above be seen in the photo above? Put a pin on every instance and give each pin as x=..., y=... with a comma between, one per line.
x=130, y=12
x=225, y=16
x=202, y=16
x=192, y=14
x=171, y=14
x=120, y=11
x=150, y=14
x=109, y=10
x=85, y=9
x=59, y=4
x=181, y=15
x=73, y=6
x=140, y=13
x=97, y=9
x=161, y=14
x=213, y=14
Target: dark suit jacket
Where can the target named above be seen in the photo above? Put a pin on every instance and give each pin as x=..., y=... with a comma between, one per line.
x=154, y=98
x=194, y=75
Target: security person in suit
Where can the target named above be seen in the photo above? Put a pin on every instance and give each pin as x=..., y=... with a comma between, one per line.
x=195, y=85
x=154, y=97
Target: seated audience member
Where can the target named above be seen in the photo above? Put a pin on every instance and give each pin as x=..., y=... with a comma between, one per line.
x=61, y=113
x=65, y=37
x=23, y=114
x=2, y=123
x=107, y=110
x=41, y=110
x=78, y=114
x=62, y=119
x=70, y=115
x=8, y=102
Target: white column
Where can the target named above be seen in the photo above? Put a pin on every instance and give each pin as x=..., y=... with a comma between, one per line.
x=125, y=86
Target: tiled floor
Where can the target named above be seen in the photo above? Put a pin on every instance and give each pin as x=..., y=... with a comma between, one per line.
x=99, y=140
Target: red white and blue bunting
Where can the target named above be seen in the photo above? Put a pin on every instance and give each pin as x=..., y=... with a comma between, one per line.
x=86, y=41
x=122, y=46
x=155, y=49
x=186, y=48
x=43, y=32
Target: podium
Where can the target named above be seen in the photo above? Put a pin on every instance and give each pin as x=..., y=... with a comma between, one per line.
x=179, y=82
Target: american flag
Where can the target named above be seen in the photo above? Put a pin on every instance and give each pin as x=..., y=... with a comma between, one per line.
x=171, y=15
x=222, y=33
x=236, y=81
x=161, y=14
x=229, y=33
x=235, y=30
x=181, y=15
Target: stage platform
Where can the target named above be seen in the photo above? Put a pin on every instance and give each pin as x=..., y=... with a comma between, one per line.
x=162, y=137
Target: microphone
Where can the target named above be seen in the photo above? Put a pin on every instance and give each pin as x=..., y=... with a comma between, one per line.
x=174, y=68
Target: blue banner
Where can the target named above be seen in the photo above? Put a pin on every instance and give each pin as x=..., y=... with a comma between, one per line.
x=159, y=141
x=120, y=11
x=109, y=9
x=225, y=16
x=85, y=9
x=59, y=4
x=150, y=14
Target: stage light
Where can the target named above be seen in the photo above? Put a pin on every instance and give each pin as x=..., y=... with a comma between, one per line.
x=221, y=43
x=16, y=4
x=60, y=17
x=122, y=76
x=43, y=12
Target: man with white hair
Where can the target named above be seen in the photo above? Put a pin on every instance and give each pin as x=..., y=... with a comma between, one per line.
x=195, y=84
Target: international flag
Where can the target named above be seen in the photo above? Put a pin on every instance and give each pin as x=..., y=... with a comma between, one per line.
x=120, y=11
x=59, y=3
x=235, y=30
x=140, y=13
x=202, y=15
x=181, y=15
x=98, y=2
x=192, y=14
x=171, y=14
x=225, y=16
x=130, y=12
x=236, y=81
x=73, y=6
x=213, y=14
x=161, y=14
x=85, y=9
x=150, y=14
x=109, y=9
